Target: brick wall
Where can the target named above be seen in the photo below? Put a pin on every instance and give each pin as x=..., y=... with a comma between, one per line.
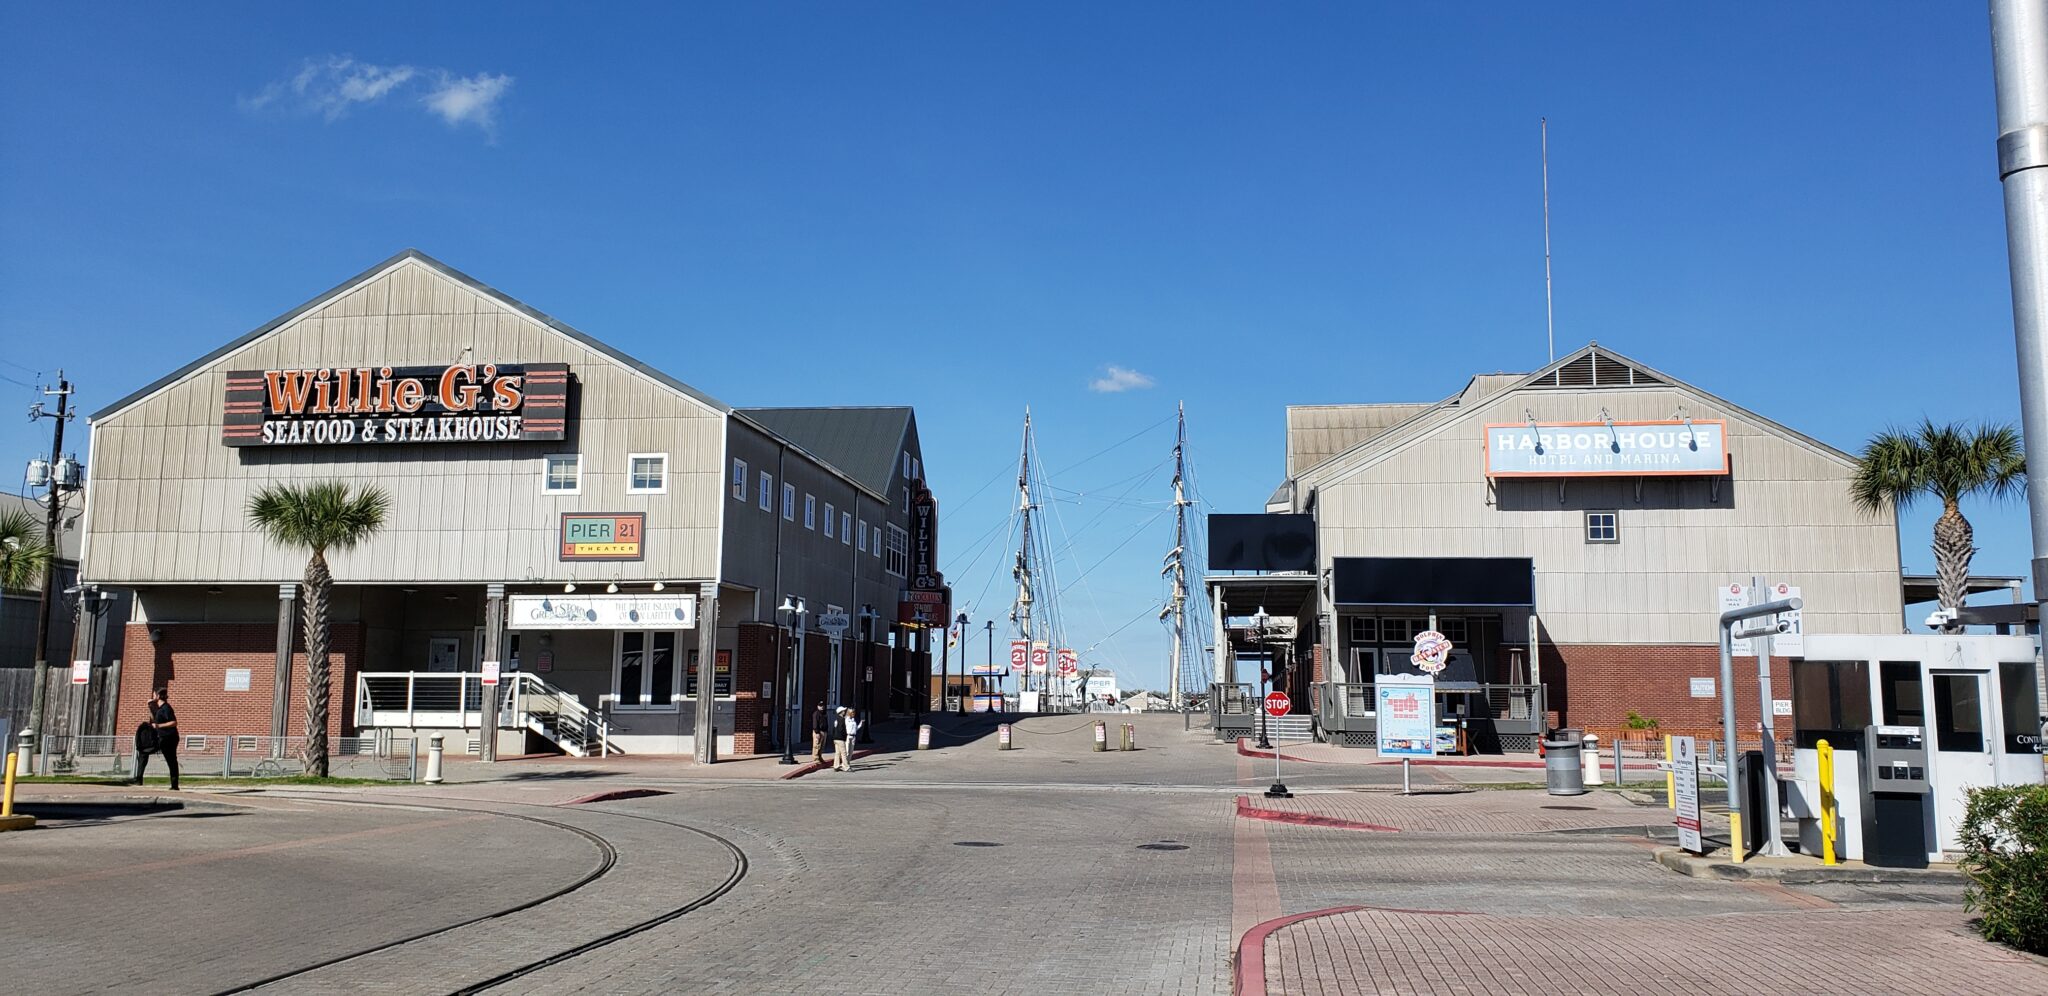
x=753, y=664
x=192, y=660
x=1595, y=686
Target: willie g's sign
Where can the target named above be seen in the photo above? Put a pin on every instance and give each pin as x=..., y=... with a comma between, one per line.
x=460, y=403
x=1620, y=449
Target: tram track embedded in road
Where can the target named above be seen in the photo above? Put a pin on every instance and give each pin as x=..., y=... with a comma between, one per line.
x=610, y=856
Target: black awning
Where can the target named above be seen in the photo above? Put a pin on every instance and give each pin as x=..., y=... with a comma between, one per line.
x=1435, y=581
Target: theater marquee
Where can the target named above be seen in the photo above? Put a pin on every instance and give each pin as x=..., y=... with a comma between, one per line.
x=461, y=403
x=1614, y=449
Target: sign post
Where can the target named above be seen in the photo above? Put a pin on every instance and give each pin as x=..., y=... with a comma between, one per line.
x=1685, y=791
x=1277, y=705
x=1407, y=719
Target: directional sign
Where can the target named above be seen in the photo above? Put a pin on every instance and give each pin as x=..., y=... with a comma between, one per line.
x=834, y=623
x=1277, y=704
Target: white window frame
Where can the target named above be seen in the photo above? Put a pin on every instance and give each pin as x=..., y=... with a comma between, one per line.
x=846, y=528
x=681, y=657
x=547, y=479
x=898, y=562
x=811, y=512
x=830, y=514
x=660, y=489
x=916, y=469
x=863, y=535
x=788, y=502
x=767, y=492
x=1612, y=529
x=739, y=479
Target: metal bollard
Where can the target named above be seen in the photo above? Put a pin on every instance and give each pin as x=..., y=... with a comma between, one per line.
x=1101, y=736
x=1003, y=737
x=1590, y=756
x=24, y=757
x=1127, y=737
x=8, y=819
x=433, y=760
x=924, y=737
x=227, y=757
x=1131, y=731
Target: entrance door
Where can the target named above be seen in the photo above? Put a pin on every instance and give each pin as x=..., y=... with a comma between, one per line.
x=644, y=672
x=1961, y=735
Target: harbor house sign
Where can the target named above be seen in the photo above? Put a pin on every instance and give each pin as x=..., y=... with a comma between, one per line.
x=459, y=403
x=1620, y=449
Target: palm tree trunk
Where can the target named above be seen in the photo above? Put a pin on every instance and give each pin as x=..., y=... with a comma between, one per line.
x=1952, y=554
x=319, y=584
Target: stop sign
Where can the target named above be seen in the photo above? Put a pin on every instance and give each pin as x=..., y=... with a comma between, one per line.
x=1277, y=704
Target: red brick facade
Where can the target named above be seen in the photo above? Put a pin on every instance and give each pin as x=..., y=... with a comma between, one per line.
x=1596, y=686
x=755, y=666
x=192, y=660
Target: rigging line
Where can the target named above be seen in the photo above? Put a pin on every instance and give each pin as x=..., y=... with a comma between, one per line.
x=1116, y=444
x=1135, y=532
x=984, y=541
x=1000, y=472
x=1163, y=462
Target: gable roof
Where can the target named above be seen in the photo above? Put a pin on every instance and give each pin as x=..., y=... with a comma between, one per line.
x=478, y=286
x=862, y=442
x=1589, y=366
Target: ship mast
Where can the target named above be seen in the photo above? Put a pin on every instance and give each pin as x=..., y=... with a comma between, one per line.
x=1020, y=612
x=1176, y=562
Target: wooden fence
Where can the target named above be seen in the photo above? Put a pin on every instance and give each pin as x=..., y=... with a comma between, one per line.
x=86, y=710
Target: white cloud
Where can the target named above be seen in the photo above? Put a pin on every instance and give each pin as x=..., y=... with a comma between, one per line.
x=1116, y=379
x=337, y=84
x=468, y=100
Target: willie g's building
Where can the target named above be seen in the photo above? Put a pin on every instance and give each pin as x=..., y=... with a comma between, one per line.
x=573, y=534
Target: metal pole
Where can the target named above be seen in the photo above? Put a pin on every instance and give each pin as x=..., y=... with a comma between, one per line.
x=1728, y=738
x=704, y=738
x=788, y=692
x=2019, y=67
x=1773, y=846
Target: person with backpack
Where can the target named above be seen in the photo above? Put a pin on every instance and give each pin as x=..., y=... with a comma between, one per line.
x=160, y=734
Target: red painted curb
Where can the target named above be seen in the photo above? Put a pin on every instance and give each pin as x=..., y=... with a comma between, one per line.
x=1248, y=751
x=822, y=765
x=1247, y=811
x=1250, y=978
x=615, y=794
x=1441, y=763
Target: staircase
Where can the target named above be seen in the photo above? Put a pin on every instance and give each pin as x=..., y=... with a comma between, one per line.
x=558, y=716
x=1297, y=728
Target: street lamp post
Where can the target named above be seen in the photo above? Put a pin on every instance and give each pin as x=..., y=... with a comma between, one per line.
x=791, y=615
x=868, y=618
x=964, y=679
x=1259, y=622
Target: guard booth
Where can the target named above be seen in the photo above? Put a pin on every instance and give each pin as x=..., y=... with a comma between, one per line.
x=1915, y=722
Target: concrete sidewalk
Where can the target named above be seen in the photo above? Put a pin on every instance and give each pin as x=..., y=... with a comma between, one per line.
x=1465, y=811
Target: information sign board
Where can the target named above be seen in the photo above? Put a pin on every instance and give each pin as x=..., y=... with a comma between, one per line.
x=1407, y=715
x=1685, y=782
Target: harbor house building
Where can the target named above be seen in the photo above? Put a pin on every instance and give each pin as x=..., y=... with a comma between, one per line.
x=572, y=533
x=1573, y=532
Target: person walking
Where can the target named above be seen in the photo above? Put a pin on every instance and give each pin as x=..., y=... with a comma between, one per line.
x=163, y=720
x=843, y=739
x=821, y=727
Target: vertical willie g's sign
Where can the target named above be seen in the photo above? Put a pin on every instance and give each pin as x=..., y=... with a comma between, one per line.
x=459, y=403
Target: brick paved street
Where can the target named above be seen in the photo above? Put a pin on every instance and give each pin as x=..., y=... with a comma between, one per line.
x=1046, y=869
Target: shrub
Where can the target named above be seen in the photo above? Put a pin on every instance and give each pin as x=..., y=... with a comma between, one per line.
x=2005, y=856
x=1638, y=721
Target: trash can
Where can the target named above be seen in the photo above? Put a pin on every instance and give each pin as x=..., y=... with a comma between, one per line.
x=1563, y=772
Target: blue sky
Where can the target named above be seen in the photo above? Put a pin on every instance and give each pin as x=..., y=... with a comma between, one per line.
x=974, y=208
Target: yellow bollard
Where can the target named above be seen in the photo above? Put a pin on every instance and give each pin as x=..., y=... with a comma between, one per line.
x=1670, y=777
x=1827, y=802
x=9, y=821
x=1735, y=836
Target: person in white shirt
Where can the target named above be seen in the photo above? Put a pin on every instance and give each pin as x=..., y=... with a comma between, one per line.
x=842, y=747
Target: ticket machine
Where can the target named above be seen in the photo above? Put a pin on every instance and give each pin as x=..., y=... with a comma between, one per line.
x=1915, y=722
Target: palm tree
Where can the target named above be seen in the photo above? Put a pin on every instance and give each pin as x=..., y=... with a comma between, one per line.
x=1948, y=462
x=23, y=554
x=318, y=517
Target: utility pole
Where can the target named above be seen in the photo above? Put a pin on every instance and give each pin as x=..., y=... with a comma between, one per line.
x=1176, y=562
x=2019, y=69
x=56, y=500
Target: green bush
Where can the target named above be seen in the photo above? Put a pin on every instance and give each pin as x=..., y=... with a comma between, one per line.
x=1638, y=721
x=2005, y=856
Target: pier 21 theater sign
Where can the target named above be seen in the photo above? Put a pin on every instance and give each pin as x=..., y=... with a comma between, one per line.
x=460, y=403
x=1681, y=448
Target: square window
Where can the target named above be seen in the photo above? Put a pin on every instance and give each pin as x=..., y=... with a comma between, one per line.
x=810, y=511
x=562, y=474
x=846, y=528
x=1364, y=629
x=739, y=479
x=1603, y=527
x=767, y=492
x=789, y=502
x=647, y=473
x=830, y=514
